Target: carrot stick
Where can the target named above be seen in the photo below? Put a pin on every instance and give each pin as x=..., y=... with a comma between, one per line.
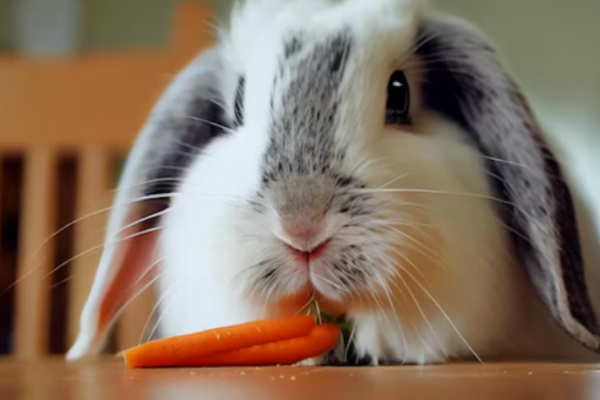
x=285, y=352
x=178, y=350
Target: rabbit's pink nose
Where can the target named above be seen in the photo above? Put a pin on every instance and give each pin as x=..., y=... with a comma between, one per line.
x=308, y=256
x=307, y=243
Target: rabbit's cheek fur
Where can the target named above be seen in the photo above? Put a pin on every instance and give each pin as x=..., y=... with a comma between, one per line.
x=208, y=239
x=431, y=230
x=445, y=297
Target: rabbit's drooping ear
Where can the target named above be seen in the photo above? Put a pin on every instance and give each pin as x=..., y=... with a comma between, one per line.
x=187, y=117
x=467, y=83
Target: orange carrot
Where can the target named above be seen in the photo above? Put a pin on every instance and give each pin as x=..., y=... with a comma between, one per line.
x=178, y=350
x=285, y=352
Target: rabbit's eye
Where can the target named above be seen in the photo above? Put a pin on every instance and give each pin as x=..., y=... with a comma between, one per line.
x=239, y=103
x=398, y=100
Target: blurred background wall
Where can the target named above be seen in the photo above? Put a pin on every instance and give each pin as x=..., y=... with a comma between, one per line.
x=549, y=44
x=111, y=58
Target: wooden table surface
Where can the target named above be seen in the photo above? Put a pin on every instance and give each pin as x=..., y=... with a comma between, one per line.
x=111, y=380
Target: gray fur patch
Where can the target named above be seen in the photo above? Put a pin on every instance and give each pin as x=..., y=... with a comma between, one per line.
x=302, y=166
x=182, y=129
x=302, y=130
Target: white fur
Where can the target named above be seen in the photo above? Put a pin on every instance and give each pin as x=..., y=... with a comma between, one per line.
x=481, y=298
x=460, y=294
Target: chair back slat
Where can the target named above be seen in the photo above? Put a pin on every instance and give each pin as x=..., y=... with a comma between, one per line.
x=32, y=294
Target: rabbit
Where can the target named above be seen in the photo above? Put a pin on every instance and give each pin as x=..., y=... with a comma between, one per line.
x=374, y=156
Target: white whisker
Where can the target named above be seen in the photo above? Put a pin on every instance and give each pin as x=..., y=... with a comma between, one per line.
x=445, y=315
x=421, y=311
x=387, y=293
x=212, y=123
x=143, y=289
x=451, y=193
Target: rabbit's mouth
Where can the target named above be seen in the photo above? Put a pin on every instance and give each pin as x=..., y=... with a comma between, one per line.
x=306, y=258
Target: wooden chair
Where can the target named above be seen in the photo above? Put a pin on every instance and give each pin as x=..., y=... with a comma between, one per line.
x=91, y=106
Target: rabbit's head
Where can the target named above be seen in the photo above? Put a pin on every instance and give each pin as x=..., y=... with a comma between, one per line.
x=365, y=153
